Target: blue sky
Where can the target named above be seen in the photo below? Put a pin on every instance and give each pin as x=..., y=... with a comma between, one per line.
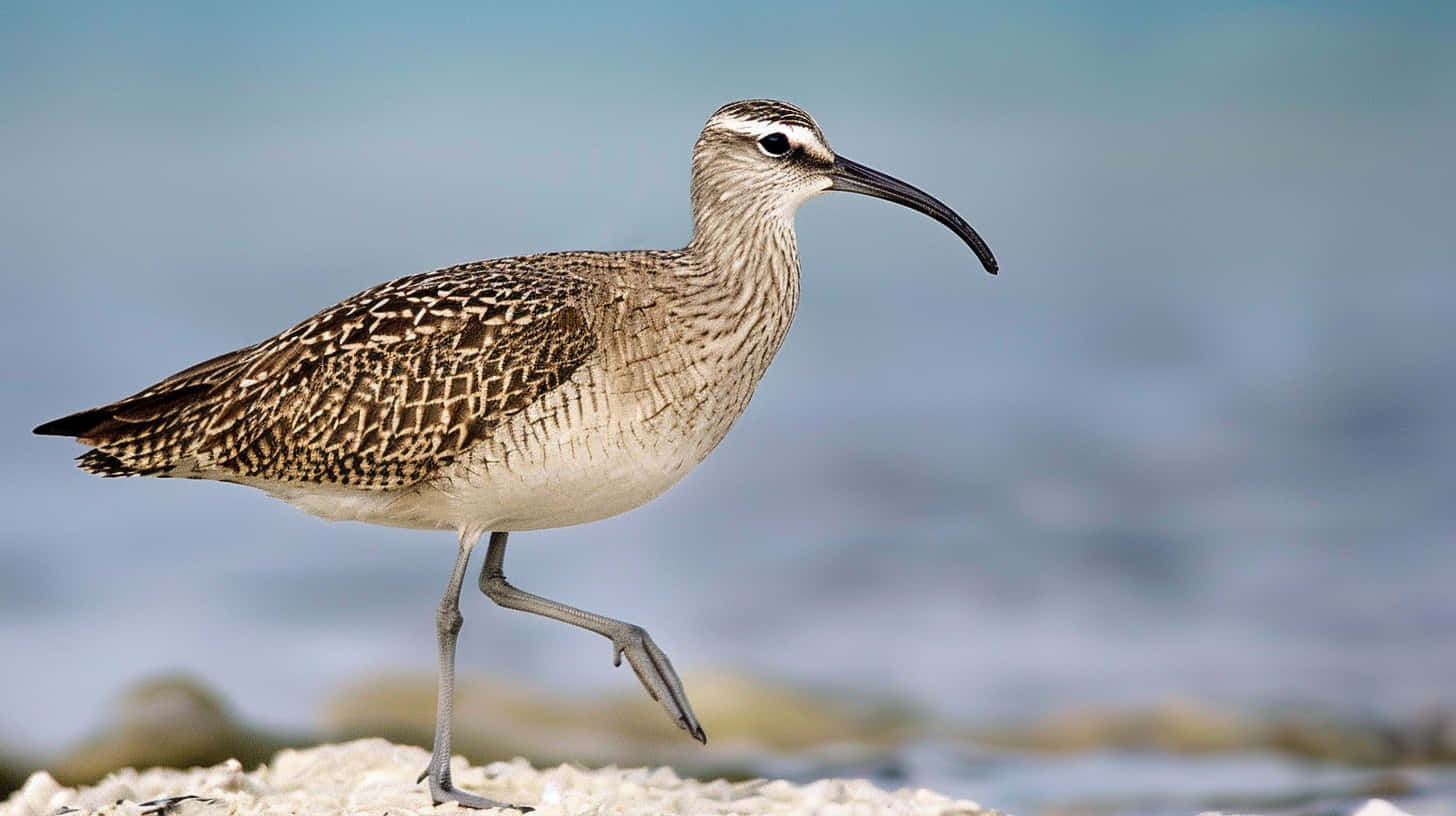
x=363, y=54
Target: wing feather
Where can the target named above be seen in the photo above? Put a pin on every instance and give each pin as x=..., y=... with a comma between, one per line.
x=380, y=391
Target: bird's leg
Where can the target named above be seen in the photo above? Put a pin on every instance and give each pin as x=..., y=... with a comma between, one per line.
x=652, y=666
x=447, y=628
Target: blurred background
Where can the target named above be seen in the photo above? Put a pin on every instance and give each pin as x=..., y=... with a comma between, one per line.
x=1160, y=519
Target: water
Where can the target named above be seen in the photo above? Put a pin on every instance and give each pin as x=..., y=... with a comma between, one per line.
x=1194, y=442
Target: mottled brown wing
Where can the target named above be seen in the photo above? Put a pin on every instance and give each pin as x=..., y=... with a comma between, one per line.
x=379, y=391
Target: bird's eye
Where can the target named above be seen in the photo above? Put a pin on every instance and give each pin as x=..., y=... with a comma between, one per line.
x=774, y=144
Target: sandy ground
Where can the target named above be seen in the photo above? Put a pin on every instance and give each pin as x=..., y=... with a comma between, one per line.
x=375, y=776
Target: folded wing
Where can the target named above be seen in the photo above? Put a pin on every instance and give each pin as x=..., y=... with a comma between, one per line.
x=380, y=391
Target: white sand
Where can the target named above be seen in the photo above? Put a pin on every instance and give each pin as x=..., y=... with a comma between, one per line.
x=374, y=776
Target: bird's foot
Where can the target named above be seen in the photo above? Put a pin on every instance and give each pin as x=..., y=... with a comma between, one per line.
x=657, y=676
x=470, y=800
x=442, y=791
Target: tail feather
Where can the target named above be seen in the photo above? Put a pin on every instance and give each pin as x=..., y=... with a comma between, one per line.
x=124, y=417
x=130, y=437
x=77, y=424
x=104, y=464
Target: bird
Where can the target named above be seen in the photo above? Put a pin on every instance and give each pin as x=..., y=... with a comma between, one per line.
x=520, y=393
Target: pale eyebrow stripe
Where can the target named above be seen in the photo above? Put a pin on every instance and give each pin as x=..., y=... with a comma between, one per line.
x=798, y=134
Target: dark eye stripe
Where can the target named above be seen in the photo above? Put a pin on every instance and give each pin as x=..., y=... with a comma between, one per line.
x=775, y=144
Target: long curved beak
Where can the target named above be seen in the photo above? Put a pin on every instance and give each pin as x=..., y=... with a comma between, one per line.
x=853, y=177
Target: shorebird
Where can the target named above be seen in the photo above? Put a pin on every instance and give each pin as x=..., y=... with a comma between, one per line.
x=518, y=393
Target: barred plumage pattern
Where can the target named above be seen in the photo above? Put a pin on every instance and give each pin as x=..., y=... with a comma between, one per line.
x=381, y=390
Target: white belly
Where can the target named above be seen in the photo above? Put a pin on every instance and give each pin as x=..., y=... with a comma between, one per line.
x=563, y=460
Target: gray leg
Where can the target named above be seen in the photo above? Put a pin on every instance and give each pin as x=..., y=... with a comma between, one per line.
x=652, y=666
x=447, y=628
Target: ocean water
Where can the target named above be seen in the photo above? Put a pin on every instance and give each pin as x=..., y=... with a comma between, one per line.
x=1194, y=442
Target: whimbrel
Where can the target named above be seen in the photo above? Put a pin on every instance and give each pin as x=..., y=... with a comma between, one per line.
x=519, y=393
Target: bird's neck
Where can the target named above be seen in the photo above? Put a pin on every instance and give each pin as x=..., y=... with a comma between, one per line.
x=748, y=263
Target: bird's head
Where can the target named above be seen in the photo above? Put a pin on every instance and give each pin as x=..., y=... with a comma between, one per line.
x=769, y=157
